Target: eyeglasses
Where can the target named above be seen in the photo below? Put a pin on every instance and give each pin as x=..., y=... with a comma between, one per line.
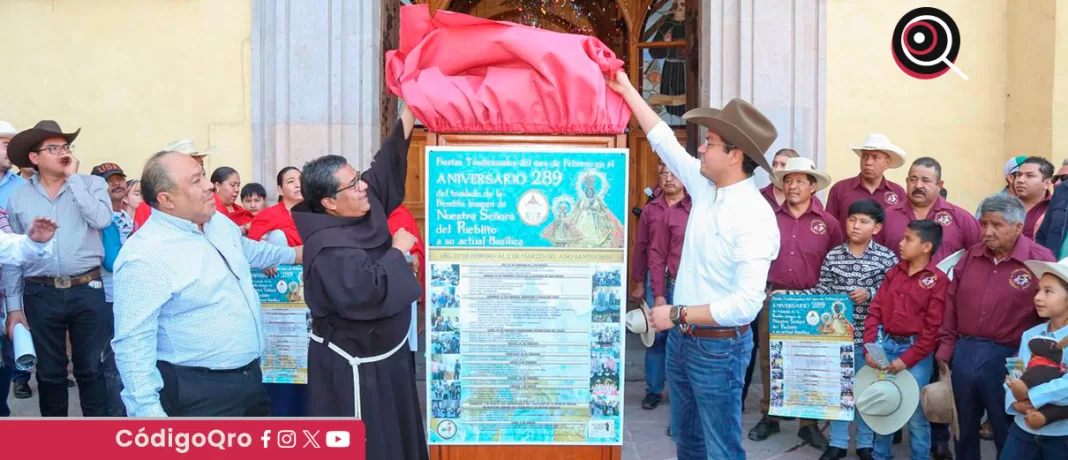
x=352, y=184
x=57, y=149
x=1060, y=178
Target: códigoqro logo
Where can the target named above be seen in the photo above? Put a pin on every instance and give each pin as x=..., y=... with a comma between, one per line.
x=926, y=43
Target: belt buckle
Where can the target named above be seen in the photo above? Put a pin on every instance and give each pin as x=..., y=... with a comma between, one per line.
x=61, y=282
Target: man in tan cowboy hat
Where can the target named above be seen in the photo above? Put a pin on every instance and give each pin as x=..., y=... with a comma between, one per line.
x=722, y=272
x=61, y=294
x=807, y=234
x=877, y=154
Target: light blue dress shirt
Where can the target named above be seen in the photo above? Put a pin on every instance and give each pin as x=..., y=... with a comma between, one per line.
x=1053, y=392
x=8, y=183
x=185, y=296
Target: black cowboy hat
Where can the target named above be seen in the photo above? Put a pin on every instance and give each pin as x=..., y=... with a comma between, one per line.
x=18, y=150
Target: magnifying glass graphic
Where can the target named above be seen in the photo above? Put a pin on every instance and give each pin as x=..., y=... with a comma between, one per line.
x=920, y=37
x=926, y=41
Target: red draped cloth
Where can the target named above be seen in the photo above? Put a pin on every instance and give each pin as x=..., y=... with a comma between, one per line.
x=403, y=218
x=276, y=217
x=460, y=73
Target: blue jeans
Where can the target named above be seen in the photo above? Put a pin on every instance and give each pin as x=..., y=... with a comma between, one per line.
x=919, y=428
x=1021, y=445
x=706, y=378
x=654, y=355
x=840, y=429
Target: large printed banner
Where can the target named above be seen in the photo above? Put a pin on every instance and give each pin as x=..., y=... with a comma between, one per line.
x=812, y=356
x=287, y=320
x=525, y=295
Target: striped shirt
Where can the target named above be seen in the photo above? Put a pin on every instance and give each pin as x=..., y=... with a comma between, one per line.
x=842, y=273
x=82, y=208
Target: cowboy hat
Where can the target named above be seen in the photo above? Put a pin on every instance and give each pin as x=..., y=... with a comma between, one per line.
x=6, y=130
x=886, y=404
x=187, y=147
x=1040, y=268
x=638, y=323
x=938, y=403
x=18, y=150
x=881, y=143
x=801, y=165
x=741, y=124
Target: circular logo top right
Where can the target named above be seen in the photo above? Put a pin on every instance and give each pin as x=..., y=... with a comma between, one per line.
x=926, y=43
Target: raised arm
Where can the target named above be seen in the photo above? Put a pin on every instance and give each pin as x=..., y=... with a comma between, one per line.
x=389, y=169
x=91, y=195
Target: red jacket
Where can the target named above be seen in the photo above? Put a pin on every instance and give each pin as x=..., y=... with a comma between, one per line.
x=403, y=218
x=276, y=217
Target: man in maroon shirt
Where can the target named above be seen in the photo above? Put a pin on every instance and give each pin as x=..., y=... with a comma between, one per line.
x=989, y=306
x=959, y=229
x=806, y=234
x=1032, y=187
x=877, y=154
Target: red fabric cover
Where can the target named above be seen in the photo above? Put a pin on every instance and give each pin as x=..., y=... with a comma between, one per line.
x=276, y=217
x=240, y=216
x=403, y=218
x=141, y=215
x=460, y=73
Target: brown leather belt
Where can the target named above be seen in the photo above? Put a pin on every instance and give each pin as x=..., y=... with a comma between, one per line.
x=66, y=282
x=717, y=333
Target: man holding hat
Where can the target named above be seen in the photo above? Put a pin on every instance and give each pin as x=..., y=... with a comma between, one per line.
x=722, y=273
x=877, y=154
x=63, y=293
x=807, y=234
x=185, y=147
x=10, y=179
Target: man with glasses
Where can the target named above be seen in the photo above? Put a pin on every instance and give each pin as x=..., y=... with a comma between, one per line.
x=62, y=293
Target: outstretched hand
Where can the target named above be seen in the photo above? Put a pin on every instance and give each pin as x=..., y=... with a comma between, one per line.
x=42, y=229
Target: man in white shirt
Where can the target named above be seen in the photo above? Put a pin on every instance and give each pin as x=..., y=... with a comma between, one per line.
x=723, y=271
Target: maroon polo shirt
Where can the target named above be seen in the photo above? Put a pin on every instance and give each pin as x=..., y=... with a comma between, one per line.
x=803, y=244
x=910, y=306
x=846, y=191
x=960, y=230
x=989, y=301
x=1033, y=214
x=665, y=250
x=650, y=221
x=769, y=194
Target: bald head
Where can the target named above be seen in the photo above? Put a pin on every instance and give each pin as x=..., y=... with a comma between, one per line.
x=174, y=183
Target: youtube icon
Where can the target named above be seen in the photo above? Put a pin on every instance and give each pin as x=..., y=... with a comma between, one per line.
x=337, y=439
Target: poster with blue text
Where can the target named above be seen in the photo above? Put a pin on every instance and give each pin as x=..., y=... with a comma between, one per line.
x=526, y=293
x=287, y=322
x=813, y=362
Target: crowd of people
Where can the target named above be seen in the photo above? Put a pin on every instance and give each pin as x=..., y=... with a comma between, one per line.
x=884, y=245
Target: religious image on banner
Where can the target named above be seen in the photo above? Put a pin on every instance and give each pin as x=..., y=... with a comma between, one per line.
x=287, y=322
x=812, y=356
x=526, y=255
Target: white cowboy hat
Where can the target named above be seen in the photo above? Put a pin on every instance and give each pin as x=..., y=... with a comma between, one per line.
x=1040, y=268
x=638, y=323
x=880, y=142
x=7, y=130
x=187, y=147
x=888, y=404
x=802, y=165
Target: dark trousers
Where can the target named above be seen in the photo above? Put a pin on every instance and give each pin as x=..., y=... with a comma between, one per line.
x=199, y=392
x=115, y=408
x=7, y=366
x=978, y=378
x=1022, y=445
x=83, y=312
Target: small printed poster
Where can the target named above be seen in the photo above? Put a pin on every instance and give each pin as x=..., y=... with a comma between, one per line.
x=812, y=356
x=287, y=322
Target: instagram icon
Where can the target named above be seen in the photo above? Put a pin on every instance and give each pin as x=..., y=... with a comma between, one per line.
x=287, y=439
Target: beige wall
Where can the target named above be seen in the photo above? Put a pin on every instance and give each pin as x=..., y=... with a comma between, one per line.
x=960, y=123
x=133, y=74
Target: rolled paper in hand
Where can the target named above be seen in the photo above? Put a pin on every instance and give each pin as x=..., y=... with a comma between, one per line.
x=25, y=355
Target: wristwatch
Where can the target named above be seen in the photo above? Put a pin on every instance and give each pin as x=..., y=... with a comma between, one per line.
x=678, y=314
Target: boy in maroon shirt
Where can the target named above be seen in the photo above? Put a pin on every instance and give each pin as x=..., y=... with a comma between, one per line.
x=904, y=319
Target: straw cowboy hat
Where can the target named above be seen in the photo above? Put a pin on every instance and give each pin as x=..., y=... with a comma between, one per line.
x=187, y=147
x=802, y=165
x=6, y=130
x=18, y=150
x=938, y=403
x=638, y=323
x=1040, y=268
x=881, y=143
x=741, y=124
x=888, y=404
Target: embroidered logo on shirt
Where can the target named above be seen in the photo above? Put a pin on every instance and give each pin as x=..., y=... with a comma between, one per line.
x=818, y=227
x=944, y=218
x=928, y=281
x=1020, y=278
x=890, y=197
